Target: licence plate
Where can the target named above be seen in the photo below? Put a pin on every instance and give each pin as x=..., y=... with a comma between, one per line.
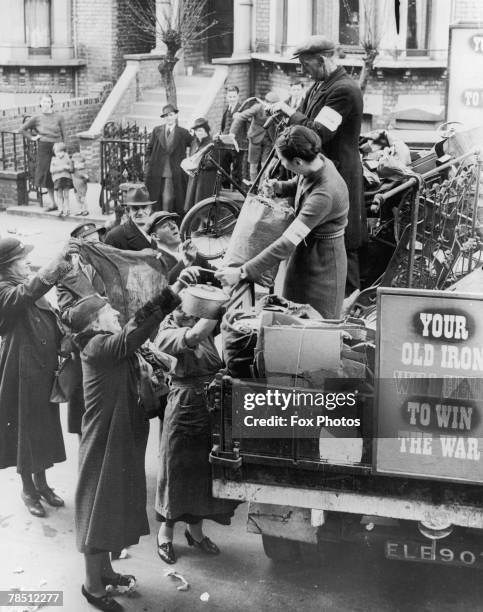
x=435, y=552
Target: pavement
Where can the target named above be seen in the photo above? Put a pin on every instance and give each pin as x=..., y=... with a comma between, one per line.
x=41, y=554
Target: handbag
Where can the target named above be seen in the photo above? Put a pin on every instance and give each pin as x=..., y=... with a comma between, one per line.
x=64, y=381
x=152, y=388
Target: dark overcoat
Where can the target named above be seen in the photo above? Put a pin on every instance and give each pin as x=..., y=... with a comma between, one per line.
x=158, y=153
x=128, y=237
x=333, y=108
x=110, y=503
x=202, y=185
x=30, y=431
x=74, y=286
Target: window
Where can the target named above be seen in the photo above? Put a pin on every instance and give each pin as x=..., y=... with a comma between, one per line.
x=349, y=22
x=417, y=20
x=37, y=26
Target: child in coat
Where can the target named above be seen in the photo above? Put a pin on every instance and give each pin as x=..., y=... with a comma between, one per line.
x=61, y=171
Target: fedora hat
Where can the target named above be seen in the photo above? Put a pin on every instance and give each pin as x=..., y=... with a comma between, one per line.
x=86, y=229
x=157, y=218
x=201, y=122
x=12, y=249
x=168, y=108
x=137, y=196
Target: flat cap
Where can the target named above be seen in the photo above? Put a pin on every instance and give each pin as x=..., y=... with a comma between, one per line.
x=86, y=229
x=314, y=44
x=157, y=218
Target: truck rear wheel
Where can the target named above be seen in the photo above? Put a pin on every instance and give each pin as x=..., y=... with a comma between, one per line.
x=280, y=550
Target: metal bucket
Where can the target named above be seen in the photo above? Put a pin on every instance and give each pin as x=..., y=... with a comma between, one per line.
x=203, y=301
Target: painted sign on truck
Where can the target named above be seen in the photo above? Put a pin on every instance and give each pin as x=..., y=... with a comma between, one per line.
x=429, y=399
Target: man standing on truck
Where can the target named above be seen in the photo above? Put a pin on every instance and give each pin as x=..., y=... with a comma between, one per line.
x=333, y=109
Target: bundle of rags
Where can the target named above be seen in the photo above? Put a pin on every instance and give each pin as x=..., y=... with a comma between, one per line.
x=131, y=277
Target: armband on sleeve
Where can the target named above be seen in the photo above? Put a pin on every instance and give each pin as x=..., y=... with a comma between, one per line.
x=296, y=232
x=329, y=118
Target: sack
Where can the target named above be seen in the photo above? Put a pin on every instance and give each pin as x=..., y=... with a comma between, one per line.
x=261, y=222
x=391, y=167
x=64, y=381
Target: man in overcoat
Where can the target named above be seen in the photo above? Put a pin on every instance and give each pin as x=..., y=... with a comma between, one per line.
x=231, y=160
x=333, y=108
x=131, y=236
x=168, y=146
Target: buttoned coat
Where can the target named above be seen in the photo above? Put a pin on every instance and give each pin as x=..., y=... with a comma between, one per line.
x=158, y=153
x=128, y=237
x=339, y=99
x=30, y=432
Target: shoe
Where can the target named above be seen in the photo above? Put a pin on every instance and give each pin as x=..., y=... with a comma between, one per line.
x=206, y=545
x=33, y=504
x=51, y=209
x=67, y=213
x=102, y=603
x=124, y=580
x=85, y=213
x=166, y=552
x=50, y=497
x=79, y=214
x=61, y=214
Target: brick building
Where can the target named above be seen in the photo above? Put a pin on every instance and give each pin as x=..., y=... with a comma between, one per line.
x=64, y=46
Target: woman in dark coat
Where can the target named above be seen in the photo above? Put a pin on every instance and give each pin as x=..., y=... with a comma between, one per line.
x=30, y=432
x=167, y=147
x=184, y=478
x=314, y=242
x=47, y=128
x=110, y=505
x=201, y=185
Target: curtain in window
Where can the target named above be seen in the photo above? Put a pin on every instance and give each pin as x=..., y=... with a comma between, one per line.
x=417, y=20
x=37, y=24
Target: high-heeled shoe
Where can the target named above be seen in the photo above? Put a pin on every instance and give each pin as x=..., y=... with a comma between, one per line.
x=166, y=552
x=206, y=545
x=124, y=580
x=50, y=497
x=33, y=504
x=105, y=602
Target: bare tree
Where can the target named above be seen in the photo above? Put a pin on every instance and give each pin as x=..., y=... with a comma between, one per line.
x=182, y=24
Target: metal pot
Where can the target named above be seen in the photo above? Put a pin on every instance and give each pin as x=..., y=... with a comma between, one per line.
x=203, y=301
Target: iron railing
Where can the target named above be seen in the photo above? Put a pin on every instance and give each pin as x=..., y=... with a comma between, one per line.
x=439, y=243
x=123, y=158
x=20, y=155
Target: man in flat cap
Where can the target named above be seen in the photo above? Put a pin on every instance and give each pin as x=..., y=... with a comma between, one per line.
x=333, y=108
x=131, y=235
x=177, y=255
x=168, y=146
x=83, y=281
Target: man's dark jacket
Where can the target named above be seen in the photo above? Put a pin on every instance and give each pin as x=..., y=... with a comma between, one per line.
x=339, y=99
x=128, y=237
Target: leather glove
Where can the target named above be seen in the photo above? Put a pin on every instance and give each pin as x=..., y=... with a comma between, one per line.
x=61, y=265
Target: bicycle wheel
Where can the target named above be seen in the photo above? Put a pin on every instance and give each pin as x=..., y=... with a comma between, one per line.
x=209, y=225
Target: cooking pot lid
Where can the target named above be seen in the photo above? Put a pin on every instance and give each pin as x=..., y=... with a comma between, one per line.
x=207, y=292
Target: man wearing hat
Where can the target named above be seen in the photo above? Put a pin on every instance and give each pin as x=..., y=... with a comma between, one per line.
x=78, y=284
x=164, y=178
x=131, y=235
x=178, y=256
x=260, y=140
x=333, y=108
